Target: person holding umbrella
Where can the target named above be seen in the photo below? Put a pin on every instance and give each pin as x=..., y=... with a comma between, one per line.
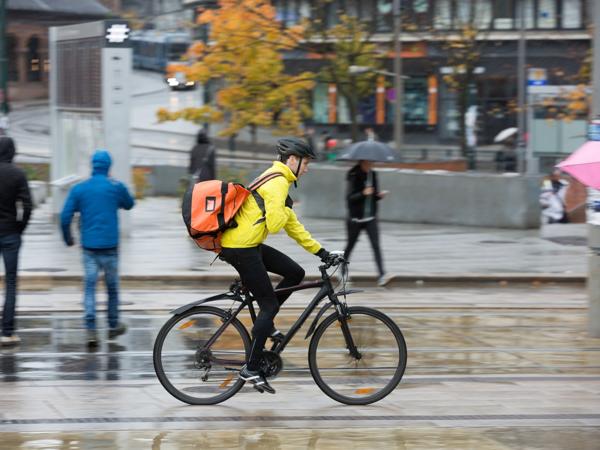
x=362, y=197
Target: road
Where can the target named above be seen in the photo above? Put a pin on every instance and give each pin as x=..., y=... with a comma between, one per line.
x=488, y=368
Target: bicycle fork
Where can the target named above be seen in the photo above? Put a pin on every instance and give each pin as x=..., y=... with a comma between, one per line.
x=343, y=319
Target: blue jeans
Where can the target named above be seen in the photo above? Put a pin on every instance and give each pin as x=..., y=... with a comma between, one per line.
x=9, y=248
x=93, y=262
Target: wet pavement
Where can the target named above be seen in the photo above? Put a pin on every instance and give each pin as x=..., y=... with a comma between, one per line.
x=162, y=251
x=417, y=438
x=489, y=367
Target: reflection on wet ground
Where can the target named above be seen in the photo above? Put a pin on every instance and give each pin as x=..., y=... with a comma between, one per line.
x=466, y=341
x=479, y=376
x=425, y=438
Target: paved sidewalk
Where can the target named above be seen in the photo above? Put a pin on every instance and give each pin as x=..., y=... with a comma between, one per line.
x=159, y=249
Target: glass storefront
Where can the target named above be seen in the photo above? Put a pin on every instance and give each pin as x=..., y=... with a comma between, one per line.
x=320, y=103
x=416, y=105
x=415, y=101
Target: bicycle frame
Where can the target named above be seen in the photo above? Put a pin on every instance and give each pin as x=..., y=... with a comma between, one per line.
x=325, y=290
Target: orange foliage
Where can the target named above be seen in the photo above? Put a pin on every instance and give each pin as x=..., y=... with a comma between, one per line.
x=245, y=54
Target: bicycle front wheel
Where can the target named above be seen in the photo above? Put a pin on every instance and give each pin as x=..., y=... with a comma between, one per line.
x=368, y=373
x=191, y=370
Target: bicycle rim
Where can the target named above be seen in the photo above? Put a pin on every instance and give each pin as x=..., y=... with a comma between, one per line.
x=364, y=378
x=193, y=373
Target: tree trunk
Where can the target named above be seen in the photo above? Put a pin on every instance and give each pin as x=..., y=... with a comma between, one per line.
x=253, y=134
x=463, y=99
x=353, y=109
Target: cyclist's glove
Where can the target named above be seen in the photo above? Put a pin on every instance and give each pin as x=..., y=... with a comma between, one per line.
x=289, y=203
x=324, y=255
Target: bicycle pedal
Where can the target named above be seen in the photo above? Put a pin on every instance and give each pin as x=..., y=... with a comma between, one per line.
x=259, y=389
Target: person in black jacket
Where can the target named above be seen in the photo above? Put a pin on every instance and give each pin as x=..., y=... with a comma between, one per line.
x=362, y=196
x=202, y=159
x=15, y=210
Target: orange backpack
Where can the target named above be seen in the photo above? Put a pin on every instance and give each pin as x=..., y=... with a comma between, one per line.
x=209, y=208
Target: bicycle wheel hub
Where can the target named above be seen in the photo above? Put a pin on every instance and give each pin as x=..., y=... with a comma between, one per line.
x=203, y=359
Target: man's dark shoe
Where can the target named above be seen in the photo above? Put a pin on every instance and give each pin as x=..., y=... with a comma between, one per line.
x=92, y=338
x=120, y=329
x=276, y=335
x=259, y=382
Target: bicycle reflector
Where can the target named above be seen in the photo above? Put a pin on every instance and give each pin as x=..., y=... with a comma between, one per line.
x=364, y=391
x=187, y=324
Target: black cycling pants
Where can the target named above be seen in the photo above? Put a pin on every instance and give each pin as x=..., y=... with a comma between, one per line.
x=253, y=264
x=372, y=228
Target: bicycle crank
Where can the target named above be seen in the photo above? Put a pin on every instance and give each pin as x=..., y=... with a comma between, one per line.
x=271, y=364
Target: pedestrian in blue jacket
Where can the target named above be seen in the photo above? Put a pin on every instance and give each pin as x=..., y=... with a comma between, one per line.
x=97, y=200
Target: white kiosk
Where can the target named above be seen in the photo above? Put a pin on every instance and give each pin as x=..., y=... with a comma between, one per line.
x=90, y=95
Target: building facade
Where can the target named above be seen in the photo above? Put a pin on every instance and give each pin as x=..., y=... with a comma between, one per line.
x=557, y=43
x=27, y=40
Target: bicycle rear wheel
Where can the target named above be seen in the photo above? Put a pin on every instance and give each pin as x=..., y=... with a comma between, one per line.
x=367, y=376
x=193, y=373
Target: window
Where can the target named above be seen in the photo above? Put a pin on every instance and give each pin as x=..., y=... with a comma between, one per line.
x=11, y=52
x=421, y=6
x=483, y=13
x=571, y=14
x=332, y=13
x=279, y=9
x=503, y=14
x=384, y=15
x=33, y=59
x=320, y=103
x=546, y=17
x=442, y=19
x=293, y=12
x=343, y=110
x=305, y=9
x=418, y=15
x=415, y=101
x=476, y=12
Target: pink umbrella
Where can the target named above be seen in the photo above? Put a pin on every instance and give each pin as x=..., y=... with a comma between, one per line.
x=584, y=164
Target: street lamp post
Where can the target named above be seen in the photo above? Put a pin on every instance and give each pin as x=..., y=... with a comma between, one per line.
x=523, y=165
x=398, y=81
x=3, y=61
x=593, y=281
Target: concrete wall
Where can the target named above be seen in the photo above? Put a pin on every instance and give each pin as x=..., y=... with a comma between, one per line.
x=477, y=199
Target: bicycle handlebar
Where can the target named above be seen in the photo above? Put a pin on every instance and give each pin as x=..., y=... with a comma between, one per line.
x=334, y=260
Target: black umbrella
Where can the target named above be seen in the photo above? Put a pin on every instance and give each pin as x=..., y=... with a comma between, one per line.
x=369, y=151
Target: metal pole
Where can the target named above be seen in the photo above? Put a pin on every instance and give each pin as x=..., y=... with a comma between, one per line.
x=593, y=282
x=521, y=92
x=596, y=59
x=3, y=60
x=398, y=82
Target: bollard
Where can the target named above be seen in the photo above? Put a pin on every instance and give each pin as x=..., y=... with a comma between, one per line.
x=593, y=282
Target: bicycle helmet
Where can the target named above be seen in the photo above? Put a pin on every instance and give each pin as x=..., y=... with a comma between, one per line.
x=295, y=146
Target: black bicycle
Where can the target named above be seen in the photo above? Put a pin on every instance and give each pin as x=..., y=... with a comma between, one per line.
x=357, y=355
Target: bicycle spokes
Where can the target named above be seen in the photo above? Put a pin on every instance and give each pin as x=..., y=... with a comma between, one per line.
x=360, y=360
x=197, y=365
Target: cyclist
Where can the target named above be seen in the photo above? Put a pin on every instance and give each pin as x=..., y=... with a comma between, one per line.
x=243, y=247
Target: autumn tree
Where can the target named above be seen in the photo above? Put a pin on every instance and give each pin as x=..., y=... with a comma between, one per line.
x=341, y=46
x=244, y=56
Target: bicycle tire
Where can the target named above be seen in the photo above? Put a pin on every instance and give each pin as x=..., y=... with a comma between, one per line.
x=340, y=351
x=158, y=359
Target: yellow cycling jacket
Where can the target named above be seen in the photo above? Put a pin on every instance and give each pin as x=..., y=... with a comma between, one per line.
x=248, y=233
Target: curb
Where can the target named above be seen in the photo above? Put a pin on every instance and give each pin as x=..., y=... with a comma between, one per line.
x=49, y=280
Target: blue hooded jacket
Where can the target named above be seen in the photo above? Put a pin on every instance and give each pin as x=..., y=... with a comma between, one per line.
x=97, y=200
